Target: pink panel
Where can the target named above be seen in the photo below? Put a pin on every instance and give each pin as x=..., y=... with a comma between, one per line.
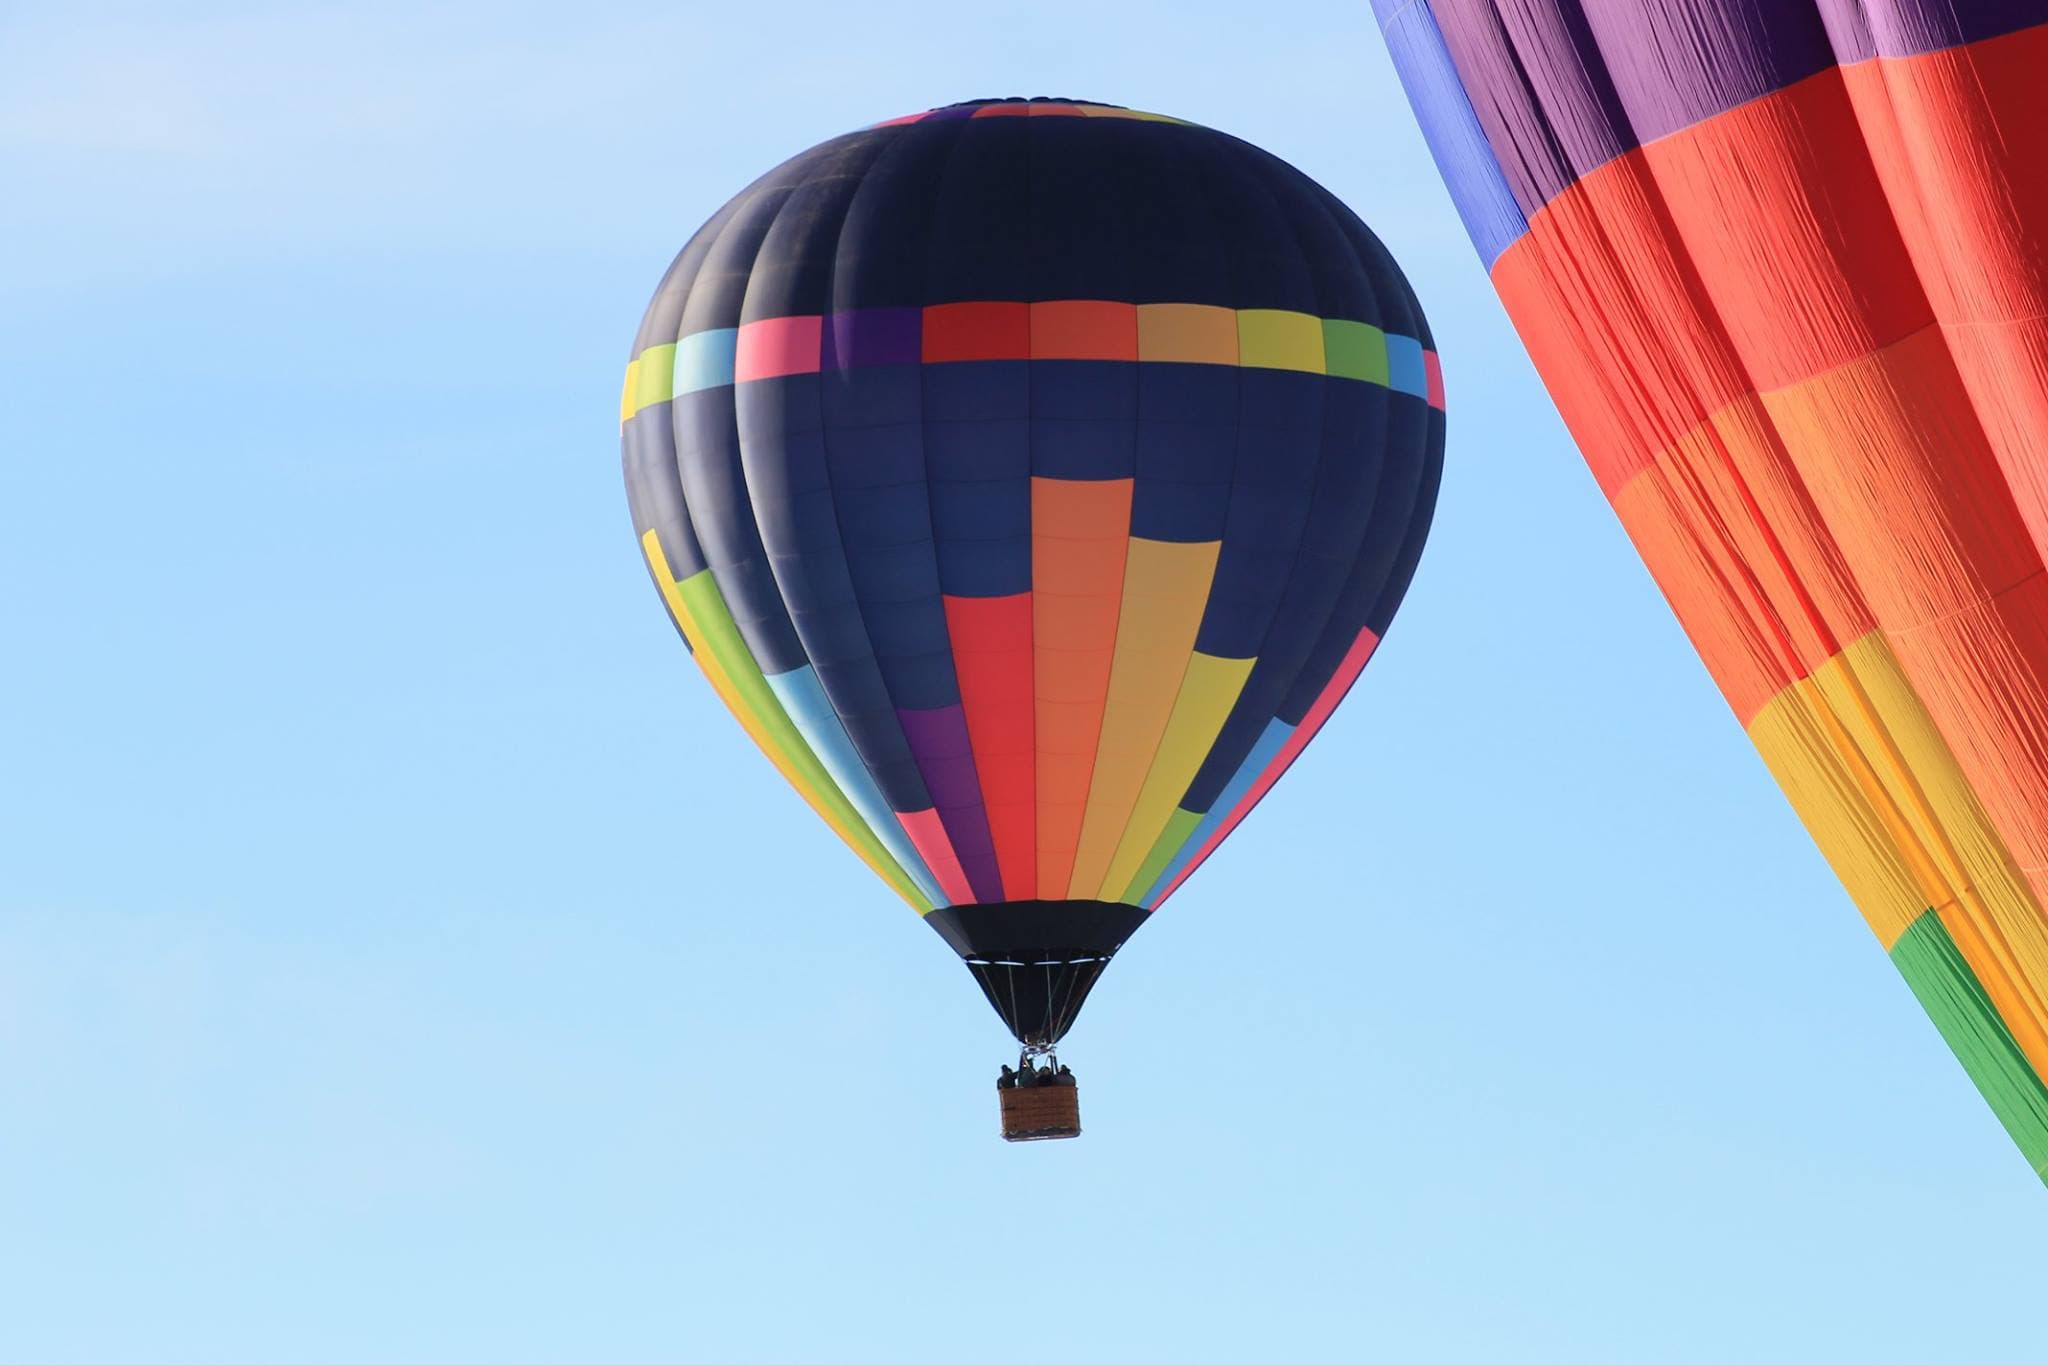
x=929, y=838
x=778, y=346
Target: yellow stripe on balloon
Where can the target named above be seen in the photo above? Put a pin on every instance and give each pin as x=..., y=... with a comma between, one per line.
x=626, y=393
x=1207, y=693
x=1883, y=797
x=1166, y=588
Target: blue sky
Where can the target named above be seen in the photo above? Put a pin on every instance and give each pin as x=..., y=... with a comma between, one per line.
x=394, y=957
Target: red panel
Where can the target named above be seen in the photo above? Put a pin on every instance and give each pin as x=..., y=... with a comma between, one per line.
x=1956, y=139
x=1080, y=533
x=992, y=656
x=1084, y=330
x=977, y=331
x=1778, y=207
x=1617, y=321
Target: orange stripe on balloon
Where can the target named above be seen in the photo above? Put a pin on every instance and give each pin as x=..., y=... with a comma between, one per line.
x=1080, y=533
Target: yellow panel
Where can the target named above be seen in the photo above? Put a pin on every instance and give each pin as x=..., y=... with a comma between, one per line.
x=1191, y=333
x=654, y=376
x=1274, y=339
x=1166, y=587
x=1207, y=693
x=1883, y=797
x=626, y=393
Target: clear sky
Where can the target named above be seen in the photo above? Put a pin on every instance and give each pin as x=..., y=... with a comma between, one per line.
x=397, y=957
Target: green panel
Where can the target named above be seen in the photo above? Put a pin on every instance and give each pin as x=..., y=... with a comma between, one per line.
x=1179, y=826
x=1355, y=350
x=654, y=381
x=707, y=608
x=1950, y=993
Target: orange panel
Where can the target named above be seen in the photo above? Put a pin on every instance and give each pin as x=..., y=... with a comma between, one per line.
x=1896, y=462
x=1752, y=573
x=1080, y=532
x=1903, y=475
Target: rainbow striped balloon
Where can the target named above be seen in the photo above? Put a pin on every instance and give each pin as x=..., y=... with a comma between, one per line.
x=1784, y=267
x=1032, y=479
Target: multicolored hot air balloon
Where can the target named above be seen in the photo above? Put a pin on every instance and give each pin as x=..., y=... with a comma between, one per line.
x=1784, y=267
x=1032, y=479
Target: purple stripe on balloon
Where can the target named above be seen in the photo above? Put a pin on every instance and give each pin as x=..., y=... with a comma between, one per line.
x=1862, y=29
x=873, y=336
x=1539, y=89
x=938, y=740
x=1676, y=62
x=1561, y=87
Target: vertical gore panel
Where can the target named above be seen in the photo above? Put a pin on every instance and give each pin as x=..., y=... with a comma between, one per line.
x=1207, y=692
x=1165, y=589
x=992, y=649
x=1176, y=852
x=1297, y=740
x=1079, y=534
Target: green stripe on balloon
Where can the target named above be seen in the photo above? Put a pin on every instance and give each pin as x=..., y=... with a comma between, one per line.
x=1952, y=996
x=707, y=608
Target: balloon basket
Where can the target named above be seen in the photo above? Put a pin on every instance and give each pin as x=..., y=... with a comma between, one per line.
x=1035, y=1113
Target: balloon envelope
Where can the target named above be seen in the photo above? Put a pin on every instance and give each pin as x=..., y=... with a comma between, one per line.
x=1031, y=479
x=1784, y=268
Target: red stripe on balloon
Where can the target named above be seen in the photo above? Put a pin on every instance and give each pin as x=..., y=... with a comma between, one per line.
x=992, y=656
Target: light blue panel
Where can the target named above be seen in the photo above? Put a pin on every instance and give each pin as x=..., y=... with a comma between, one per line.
x=1263, y=752
x=1405, y=373
x=811, y=712
x=704, y=360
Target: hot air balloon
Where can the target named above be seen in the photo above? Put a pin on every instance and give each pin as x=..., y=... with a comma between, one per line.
x=1784, y=268
x=1031, y=479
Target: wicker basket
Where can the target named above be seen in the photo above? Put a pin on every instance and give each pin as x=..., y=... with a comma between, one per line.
x=1032, y=1113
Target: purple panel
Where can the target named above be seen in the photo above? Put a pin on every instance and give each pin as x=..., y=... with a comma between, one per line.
x=1539, y=88
x=1676, y=62
x=1561, y=87
x=1862, y=29
x=938, y=740
x=873, y=336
